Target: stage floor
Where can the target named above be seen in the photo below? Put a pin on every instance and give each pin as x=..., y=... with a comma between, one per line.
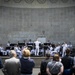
x=37, y=60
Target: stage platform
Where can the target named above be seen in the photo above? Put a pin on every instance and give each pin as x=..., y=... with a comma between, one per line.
x=37, y=60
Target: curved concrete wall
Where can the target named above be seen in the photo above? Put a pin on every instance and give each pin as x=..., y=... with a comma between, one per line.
x=54, y=21
x=37, y=3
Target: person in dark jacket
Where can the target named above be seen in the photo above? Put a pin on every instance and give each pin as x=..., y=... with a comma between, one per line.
x=43, y=64
x=1, y=65
x=27, y=64
x=67, y=61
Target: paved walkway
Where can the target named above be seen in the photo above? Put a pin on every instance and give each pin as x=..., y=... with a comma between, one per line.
x=35, y=71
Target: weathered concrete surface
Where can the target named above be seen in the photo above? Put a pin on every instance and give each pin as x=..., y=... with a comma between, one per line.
x=54, y=21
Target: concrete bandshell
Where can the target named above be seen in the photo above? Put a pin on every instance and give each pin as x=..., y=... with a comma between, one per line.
x=54, y=21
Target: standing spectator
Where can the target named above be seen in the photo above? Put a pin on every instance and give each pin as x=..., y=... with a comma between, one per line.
x=67, y=61
x=44, y=64
x=12, y=65
x=73, y=69
x=27, y=64
x=1, y=65
x=55, y=67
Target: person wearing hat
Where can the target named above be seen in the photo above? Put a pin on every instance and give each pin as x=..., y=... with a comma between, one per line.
x=27, y=64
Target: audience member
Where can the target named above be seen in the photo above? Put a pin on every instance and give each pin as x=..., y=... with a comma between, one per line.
x=1, y=65
x=44, y=64
x=73, y=69
x=67, y=61
x=12, y=65
x=27, y=64
x=55, y=67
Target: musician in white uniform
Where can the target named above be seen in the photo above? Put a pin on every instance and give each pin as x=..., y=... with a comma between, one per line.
x=37, y=42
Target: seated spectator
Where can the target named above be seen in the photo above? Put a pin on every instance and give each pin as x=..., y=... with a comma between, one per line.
x=55, y=67
x=27, y=64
